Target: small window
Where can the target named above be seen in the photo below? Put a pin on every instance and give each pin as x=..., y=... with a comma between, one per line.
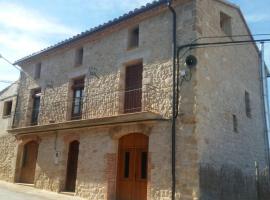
x=36, y=95
x=144, y=165
x=77, y=103
x=247, y=104
x=7, y=108
x=235, y=124
x=37, y=70
x=126, y=166
x=79, y=57
x=226, y=23
x=133, y=38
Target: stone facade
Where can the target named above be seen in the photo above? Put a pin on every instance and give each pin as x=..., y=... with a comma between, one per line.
x=7, y=141
x=204, y=126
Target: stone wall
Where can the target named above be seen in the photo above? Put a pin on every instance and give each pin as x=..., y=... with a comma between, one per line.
x=7, y=158
x=7, y=142
x=98, y=148
x=224, y=74
x=207, y=102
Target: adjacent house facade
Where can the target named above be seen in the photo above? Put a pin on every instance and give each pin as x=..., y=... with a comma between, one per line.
x=94, y=112
x=8, y=98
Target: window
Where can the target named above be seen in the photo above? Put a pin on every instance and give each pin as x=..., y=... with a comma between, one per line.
x=133, y=88
x=37, y=70
x=247, y=104
x=126, y=166
x=226, y=23
x=77, y=102
x=143, y=165
x=36, y=106
x=235, y=124
x=7, y=108
x=133, y=38
x=79, y=57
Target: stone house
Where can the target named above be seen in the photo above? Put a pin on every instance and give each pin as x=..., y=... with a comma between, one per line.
x=93, y=116
x=8, y=98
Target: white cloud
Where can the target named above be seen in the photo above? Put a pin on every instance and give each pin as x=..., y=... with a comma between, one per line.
x=255, y=18
x=25, y=19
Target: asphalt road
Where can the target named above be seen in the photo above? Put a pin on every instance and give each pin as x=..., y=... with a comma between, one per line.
x=10, y=191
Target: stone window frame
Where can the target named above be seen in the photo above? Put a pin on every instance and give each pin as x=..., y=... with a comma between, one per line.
x=225, y=22
x=7, y=108
x=37, y=72
x=70, y=94
x=133, y=40
x=79, y=54
x=235, y=123
x=248, y=105
x=30, y=105
x=122, y=79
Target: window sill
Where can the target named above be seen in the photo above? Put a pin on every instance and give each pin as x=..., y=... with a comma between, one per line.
x=6, y=116
x=132, y=48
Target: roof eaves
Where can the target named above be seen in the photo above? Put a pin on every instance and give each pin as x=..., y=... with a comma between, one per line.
x=99, y=28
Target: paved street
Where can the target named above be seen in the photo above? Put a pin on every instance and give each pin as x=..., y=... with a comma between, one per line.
x=10, y=191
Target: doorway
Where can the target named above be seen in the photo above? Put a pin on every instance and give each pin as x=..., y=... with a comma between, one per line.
x=132, y=167
x=29, y=160
x=72, y=166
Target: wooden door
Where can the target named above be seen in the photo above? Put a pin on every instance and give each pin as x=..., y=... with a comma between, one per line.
x=132, y=167
x=72, y=165
x=29, y=161
x=133, y=88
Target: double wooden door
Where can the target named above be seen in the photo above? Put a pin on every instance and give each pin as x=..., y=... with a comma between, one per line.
x=29, y=160
x=132, y=167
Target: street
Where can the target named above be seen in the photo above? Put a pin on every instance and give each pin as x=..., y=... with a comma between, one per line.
x=9, y=191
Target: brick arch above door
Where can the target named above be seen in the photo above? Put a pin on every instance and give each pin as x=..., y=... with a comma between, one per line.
x=119, y=131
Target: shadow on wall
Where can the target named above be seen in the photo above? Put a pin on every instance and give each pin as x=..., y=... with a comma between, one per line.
x=230, y=183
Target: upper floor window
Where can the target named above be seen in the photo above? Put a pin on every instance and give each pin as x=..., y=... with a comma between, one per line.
x=37, y=71
x=77, y=101
x=133, y=37
x=36, y=106
x=235, y=123
x=226, y=23
x=7, y=108
x=79, y=57
x=247, y=104
x=133, y=88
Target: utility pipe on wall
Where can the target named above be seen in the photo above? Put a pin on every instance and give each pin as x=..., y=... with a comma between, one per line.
x=174, y=114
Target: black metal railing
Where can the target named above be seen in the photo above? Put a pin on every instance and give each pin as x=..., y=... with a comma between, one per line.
x=97, y=105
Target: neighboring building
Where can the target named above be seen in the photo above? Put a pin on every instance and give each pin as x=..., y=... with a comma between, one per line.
x=95, y=118
x=8, y=143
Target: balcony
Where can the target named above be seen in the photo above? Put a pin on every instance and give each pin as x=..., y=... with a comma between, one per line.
x=138, y=104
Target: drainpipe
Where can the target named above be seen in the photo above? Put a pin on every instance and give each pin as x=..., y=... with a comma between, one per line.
x=266, y=102
x=174, y=114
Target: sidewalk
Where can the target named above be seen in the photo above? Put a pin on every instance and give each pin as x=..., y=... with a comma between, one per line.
x=10, y=191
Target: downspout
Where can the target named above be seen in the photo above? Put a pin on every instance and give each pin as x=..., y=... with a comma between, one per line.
x=266, y=102
x=174, y=114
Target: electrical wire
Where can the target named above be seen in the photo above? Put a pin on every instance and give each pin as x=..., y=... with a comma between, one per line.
x=204, y=45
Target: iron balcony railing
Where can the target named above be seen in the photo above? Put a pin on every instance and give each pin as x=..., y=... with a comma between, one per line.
x=98, y=105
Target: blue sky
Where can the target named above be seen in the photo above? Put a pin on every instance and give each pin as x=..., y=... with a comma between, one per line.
x=27, y=26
